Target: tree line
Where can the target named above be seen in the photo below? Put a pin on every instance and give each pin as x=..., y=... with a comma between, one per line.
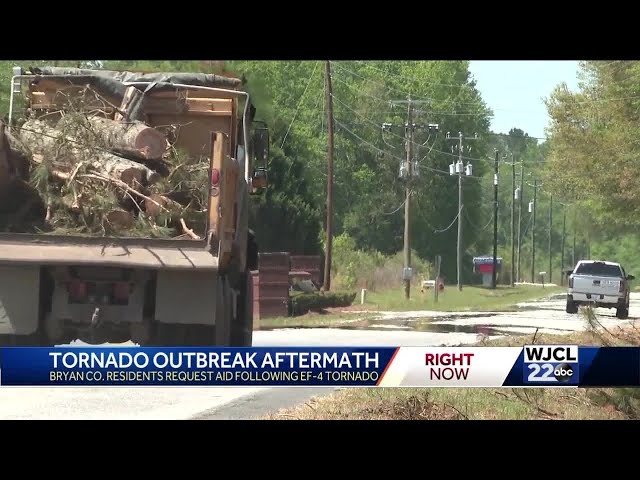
x=368, y=191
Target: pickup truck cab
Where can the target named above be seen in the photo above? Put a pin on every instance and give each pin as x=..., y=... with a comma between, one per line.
x=600, y=284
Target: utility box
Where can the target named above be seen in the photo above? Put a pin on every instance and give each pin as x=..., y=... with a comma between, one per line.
x=407, y=273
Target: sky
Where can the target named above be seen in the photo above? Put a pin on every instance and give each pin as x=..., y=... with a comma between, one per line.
x=514, y=90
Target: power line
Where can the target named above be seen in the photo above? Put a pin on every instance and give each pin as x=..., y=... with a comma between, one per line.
x=390, y=89
x=453, y=222
x=480, y=229
x=405, y=93
x=399, y=136
x=360, y=92
x=406, y=77
x=315, y=67
x=341, y=125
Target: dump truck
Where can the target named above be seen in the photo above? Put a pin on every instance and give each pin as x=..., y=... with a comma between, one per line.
x=154, y=266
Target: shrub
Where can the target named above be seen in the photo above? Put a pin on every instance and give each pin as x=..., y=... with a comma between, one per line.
x=305, y=302
x=354, y=268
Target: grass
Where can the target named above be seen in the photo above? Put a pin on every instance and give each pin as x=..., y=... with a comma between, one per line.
x=314, y=319
x=485, y=403
x=452, y=300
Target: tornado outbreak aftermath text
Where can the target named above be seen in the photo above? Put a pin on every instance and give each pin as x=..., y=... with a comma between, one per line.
x=209, y=367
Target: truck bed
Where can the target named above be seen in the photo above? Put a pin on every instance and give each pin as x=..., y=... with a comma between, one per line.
x=25, y=249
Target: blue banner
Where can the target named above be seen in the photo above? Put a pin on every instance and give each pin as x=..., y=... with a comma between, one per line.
x=286, y=366
x=528, y=366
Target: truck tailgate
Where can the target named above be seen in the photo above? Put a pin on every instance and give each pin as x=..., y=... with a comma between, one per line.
x=134, y=256
x=596, y=285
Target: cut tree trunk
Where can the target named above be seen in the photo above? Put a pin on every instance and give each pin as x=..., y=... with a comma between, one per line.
x=130, y=138
x=63, y=154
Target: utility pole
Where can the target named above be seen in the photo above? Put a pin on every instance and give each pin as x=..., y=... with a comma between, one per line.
x=575, y=221
x=408, y=171
x=437, y=279
x=533, y=232
x=521, y=196
x=513, y=220
x=550, y=231
x=564, y=232
x=407, y=201
x=458, y=169
x=495, y=222
x=329, y=232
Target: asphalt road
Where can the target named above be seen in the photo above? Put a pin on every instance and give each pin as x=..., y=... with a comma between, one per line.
x=394, y=329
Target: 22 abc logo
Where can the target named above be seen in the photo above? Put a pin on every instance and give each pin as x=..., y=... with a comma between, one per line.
x=552, y=373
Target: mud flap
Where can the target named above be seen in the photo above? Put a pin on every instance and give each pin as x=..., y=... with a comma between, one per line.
x=187, y=297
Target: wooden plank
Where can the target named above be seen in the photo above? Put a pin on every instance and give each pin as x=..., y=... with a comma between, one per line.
x=210, y=104
x=192, y=106
x=58, y=99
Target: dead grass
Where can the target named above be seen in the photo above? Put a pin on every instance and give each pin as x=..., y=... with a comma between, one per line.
x=486, y=403
x=317, y=320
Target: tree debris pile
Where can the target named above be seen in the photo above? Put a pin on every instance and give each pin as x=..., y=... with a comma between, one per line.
x=84, y=173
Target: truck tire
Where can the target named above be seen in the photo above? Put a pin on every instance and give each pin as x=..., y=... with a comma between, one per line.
x=622, y=312
x=571, y=307
x=242, y=325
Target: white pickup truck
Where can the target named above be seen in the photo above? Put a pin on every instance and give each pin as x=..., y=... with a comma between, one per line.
x=601, y=284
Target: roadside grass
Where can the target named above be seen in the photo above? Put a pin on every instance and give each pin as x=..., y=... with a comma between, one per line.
x=488, y=403
x=471, y=298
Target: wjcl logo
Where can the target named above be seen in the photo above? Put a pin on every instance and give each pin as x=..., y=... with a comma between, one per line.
x=551, y=364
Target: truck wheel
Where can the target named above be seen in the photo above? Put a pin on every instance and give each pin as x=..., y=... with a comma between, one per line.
x=242, y=325
x=622, y=312
x=571, y=307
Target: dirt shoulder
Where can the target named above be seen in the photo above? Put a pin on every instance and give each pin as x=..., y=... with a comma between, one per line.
x=485, y=403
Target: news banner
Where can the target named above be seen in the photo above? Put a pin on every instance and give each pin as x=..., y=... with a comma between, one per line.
x=527, y=366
